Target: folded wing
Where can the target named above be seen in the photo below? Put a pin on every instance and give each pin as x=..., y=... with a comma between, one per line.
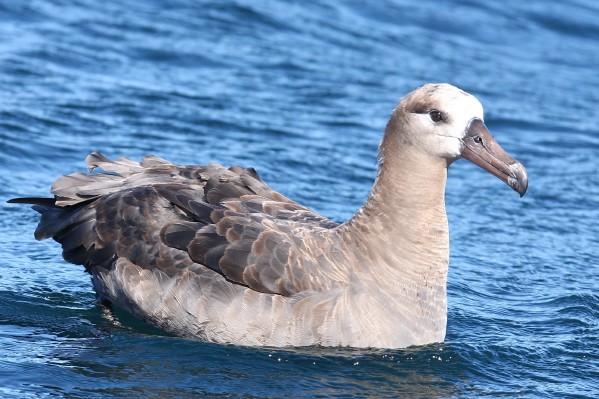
x=158, y=215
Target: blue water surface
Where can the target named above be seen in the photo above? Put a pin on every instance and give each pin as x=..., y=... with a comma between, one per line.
x=301, y=91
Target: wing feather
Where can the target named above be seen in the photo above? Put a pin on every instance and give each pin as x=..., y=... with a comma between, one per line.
x=157, y=215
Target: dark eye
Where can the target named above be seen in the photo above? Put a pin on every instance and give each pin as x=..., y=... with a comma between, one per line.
x=436, y=116
x=478, y=139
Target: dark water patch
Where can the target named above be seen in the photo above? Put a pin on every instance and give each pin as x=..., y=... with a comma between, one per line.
x=576, y=24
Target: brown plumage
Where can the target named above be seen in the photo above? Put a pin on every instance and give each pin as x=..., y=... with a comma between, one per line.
x=216, y=254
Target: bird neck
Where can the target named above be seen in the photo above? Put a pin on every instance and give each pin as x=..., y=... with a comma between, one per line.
x=402, y=227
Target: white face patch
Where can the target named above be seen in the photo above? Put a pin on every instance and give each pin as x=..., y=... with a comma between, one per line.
x=442, y=138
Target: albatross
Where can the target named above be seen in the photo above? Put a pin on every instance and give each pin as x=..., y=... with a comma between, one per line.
x=215, y=254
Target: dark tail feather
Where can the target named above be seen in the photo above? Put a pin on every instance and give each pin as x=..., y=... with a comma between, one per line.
x=57, y=221
x=51, y=214
x=47, y=202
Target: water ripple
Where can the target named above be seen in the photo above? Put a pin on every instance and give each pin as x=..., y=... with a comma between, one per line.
x=302, y=91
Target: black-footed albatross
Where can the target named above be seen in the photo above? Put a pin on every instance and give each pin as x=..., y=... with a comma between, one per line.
x=215, y=254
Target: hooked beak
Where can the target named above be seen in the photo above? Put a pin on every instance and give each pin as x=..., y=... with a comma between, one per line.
x=480, y=148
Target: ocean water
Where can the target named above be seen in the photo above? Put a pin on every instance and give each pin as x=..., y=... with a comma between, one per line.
x=301, y=91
